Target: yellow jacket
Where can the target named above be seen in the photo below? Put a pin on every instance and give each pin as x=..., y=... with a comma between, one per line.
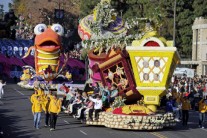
x=46, y=102
x=202, y=106
x=33, y=98
x=178, y=99
x=44, y=98
x=40, y=92
x=186, y=104
x=37, y=106
x=54, y=106
x=51, y=96
x=46, y=105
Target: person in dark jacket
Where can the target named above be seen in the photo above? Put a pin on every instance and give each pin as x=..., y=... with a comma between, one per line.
x=169, y=105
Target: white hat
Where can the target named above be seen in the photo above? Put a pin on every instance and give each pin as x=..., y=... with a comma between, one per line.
x=71, y=87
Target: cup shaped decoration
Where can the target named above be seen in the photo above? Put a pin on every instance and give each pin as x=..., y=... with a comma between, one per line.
x=153, y=64
x=94, y=60
x=116, y=71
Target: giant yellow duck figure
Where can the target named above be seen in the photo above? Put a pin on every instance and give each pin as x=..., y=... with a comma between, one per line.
x=47, y=50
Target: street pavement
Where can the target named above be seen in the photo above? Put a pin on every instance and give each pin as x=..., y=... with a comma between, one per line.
x=16, y=121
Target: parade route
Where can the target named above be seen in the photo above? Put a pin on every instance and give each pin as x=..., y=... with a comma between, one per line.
x=16, y=120
x=103, y=69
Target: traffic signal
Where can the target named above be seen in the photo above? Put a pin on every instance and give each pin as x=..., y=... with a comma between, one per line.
x=59, y=14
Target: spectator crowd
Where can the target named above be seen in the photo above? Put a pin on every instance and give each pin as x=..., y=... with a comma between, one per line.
x=186, y=94
x=77, y=102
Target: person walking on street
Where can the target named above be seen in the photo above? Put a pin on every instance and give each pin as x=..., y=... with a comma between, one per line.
x=54, y=110
x=33, y=97
x=37, y=108
x=202, y=109
x=186, y=106
x=47, y=114
x=1, y=88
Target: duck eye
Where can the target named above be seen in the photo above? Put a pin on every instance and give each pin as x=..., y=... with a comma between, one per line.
x=58, y=29
x=40, y=28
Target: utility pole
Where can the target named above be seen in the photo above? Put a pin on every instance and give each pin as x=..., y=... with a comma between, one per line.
x=1, y=12
x=59, y=12
x=174, y=23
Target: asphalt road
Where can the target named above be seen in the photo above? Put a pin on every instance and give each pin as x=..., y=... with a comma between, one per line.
x=16, y=120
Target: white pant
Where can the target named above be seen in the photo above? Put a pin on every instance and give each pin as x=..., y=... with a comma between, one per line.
x=71, y=108
x=79, y=112
x=1, y=93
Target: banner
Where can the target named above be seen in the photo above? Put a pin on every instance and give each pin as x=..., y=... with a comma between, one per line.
x=16, y=51
x=25, y=50
x=10, y=51
x=32, y=52
x=20, y=51
x=190, y=73
x=3, y=50
x=16, y=74
x=61, y=91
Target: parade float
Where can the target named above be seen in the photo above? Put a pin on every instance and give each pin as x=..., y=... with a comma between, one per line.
x=140, y=64
x=47, y=52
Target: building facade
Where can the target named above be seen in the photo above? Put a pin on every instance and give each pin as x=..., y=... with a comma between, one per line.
x=199, y=45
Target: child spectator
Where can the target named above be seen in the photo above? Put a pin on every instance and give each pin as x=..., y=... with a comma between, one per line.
x=96, y=88
x=89, y=105
x=85, y=100
x=114, y=93
x=97, y=107
x=76, y=105
x=105, y=96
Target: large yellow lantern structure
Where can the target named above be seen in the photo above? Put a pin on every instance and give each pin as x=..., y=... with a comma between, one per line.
x=153, y=61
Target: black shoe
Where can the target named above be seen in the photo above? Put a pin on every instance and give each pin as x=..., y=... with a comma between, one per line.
x=90, y=119
x=83, y=121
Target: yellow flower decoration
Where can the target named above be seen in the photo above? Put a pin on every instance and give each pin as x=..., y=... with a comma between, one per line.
x=95, y=14
x=108, y=1
x=128, y=109
x=109, y=110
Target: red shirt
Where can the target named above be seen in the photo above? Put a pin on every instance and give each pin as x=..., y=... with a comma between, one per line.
x=65, y=89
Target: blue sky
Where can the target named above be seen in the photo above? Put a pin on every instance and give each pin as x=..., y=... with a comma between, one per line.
x=5, y=3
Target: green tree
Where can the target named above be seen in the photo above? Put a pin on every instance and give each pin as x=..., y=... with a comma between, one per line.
x=186, y=12
x=184, y=21
x=10, y=5
x=200, y=8
x=167, y=8
x=87, y=6
x=15, y=3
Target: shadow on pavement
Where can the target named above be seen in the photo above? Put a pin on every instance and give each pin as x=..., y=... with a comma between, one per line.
x=9, y=127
